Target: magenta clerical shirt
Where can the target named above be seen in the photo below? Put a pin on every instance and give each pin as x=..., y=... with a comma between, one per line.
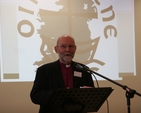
x=67, y=72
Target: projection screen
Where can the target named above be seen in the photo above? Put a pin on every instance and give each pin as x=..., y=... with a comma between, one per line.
x=103, y=30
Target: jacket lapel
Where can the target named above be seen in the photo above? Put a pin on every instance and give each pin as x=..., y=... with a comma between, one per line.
x=76, y=78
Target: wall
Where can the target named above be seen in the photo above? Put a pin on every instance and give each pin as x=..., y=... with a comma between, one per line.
x=14, y=97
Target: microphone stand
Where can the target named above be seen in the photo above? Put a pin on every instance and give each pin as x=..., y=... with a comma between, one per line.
x=129, y=92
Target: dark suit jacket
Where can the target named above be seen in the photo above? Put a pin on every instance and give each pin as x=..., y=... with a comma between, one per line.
x=49, y=78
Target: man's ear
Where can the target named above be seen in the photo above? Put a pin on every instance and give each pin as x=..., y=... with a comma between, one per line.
x=56, y=49
x=75, y=48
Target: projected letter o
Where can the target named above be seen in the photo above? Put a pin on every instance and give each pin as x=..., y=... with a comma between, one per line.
x=26, y=22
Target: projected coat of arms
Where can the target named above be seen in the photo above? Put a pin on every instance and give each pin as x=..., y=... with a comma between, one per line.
x=71, y=19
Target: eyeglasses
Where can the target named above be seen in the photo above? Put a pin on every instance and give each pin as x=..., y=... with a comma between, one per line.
x=65, y=46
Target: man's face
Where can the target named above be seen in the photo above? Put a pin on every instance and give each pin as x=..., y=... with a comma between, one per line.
x=66, y=49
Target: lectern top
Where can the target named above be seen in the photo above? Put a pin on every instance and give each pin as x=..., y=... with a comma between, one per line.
x=78, y=100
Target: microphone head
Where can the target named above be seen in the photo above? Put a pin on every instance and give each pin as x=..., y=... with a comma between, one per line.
x=81, y=66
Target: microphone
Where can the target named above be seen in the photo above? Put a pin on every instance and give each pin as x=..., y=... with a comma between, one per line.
x=82, y=67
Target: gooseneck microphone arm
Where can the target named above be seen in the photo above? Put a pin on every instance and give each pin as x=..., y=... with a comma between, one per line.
x=129, y=92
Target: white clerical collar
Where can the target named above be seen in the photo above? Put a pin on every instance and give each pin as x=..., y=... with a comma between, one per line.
x=67, y=66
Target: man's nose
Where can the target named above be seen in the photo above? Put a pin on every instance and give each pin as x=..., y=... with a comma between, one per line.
x=67, y=48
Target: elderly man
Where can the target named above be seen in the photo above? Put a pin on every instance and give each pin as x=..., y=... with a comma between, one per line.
x=59, y=74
